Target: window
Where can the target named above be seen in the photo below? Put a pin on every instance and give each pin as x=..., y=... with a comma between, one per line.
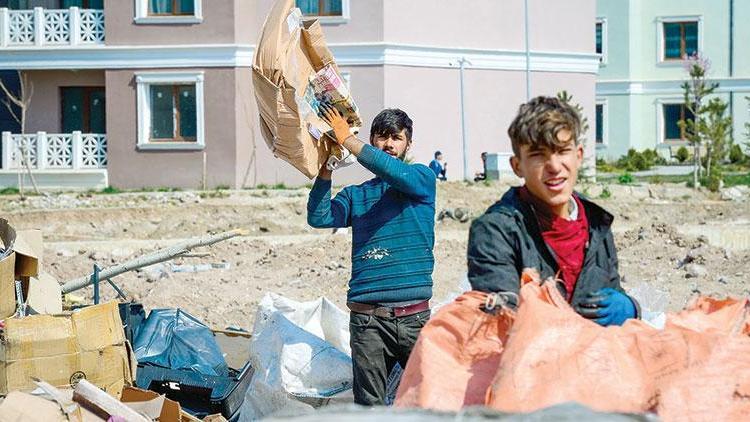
x=600, y=124
x=171, y=7
x=170, y=110
x=83, y=109
x=327, y=11
x=168, y=11
x=680, y=39
x=601, y=40
x=172, y=113
x=320, y=7
x=672, y=114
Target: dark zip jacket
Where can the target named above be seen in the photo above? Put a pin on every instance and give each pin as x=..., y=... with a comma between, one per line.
x=507, y=239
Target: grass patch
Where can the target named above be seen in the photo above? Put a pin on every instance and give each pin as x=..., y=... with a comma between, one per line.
x=605, y=194
x=9, y=191
x=737, y=179
x=109, y=190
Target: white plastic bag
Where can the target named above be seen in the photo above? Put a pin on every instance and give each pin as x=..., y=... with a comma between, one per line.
x=301, y=355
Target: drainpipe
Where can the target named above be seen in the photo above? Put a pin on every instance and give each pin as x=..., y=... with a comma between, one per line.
x=528, y=52
x=461, y=65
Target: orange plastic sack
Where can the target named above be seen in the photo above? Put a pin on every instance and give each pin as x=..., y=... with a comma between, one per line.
x=695, y=368
x=456, y=356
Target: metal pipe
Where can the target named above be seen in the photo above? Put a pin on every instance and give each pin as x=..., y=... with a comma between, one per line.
x=149, y=259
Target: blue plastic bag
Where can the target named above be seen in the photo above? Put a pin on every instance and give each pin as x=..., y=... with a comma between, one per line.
x=173, y=339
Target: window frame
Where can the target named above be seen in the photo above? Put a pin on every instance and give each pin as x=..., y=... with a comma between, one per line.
x=661, y=60
x=142, y=15
x=605, y=122
x=144, y=81
x=603, y=57
x=661, y=123
x=345, y=16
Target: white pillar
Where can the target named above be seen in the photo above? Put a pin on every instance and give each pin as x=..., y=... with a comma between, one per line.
x=38, y=26
x=74, y=15
x=7, y=150
x=4, y=27
x=41, y=150
x=77, y=149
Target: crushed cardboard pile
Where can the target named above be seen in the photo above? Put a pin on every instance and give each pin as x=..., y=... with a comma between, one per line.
x=38, y=340
x=86, y=403
x=293, y=72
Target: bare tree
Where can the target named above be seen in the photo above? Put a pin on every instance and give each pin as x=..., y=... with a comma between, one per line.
x=21, y=102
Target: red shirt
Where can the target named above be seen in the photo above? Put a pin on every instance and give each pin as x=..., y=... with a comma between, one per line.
x=566, y=238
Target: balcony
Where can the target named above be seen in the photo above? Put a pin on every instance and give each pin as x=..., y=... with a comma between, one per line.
x=57, y=160
x=51, y=27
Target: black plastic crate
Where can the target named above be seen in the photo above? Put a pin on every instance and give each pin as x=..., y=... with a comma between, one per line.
x=198, y=394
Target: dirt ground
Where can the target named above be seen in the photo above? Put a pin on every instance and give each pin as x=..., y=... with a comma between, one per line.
x=658, y=229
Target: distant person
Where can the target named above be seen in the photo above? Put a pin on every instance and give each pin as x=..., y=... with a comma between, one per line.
x=439, y=166
x=478, y=176
x=393, y=234
x=546, y=225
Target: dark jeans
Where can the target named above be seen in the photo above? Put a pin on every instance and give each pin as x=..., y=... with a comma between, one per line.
x=377, y=344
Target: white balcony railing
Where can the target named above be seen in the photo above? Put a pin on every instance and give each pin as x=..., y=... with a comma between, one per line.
x=74, y=151
x=51, y=27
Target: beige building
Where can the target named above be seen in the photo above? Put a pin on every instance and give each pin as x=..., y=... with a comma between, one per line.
x=152, y=93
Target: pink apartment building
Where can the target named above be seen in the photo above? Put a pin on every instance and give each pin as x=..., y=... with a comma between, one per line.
x=158, y=93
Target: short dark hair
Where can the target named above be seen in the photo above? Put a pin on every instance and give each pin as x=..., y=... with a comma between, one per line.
x=438, y=153
x=538, y=122
x=389, y=122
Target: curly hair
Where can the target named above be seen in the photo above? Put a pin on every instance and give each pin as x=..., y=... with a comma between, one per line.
x=540, y=120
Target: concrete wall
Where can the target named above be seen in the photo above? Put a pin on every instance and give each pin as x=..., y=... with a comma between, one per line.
x=487, y=24
x=131, y=168
x=44, y=112
x=218, y=25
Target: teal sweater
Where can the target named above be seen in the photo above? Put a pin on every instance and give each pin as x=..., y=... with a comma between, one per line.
x=392, y=219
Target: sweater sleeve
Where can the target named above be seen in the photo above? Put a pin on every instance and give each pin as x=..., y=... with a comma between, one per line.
x=415, y=180
x=324, y=212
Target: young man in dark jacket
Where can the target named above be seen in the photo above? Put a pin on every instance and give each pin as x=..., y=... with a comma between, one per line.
x=392, y=218
x=546, y=225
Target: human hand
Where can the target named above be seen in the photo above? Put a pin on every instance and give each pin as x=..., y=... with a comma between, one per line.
x=336, y=121
x=607, y=307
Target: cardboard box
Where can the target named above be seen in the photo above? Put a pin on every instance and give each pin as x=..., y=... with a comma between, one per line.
x=170, y=410
x=61, y=349
x=293, y=70
x=21, y=263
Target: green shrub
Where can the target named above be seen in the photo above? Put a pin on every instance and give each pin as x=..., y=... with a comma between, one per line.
x=9, y=191
x=736, y=155
x=605, y=194
x=713, y=181
x=625, y=179
x=111, y=190
x=682, y=154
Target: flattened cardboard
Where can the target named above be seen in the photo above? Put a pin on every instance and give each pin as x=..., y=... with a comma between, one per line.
x=288, y=54
x=20, y=406
x=60, y=349
x=44, y=295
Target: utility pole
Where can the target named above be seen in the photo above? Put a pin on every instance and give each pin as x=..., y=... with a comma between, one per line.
x=528, y=51
x=461, y=65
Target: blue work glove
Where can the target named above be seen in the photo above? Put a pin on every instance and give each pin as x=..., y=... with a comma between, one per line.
x=607, y=307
